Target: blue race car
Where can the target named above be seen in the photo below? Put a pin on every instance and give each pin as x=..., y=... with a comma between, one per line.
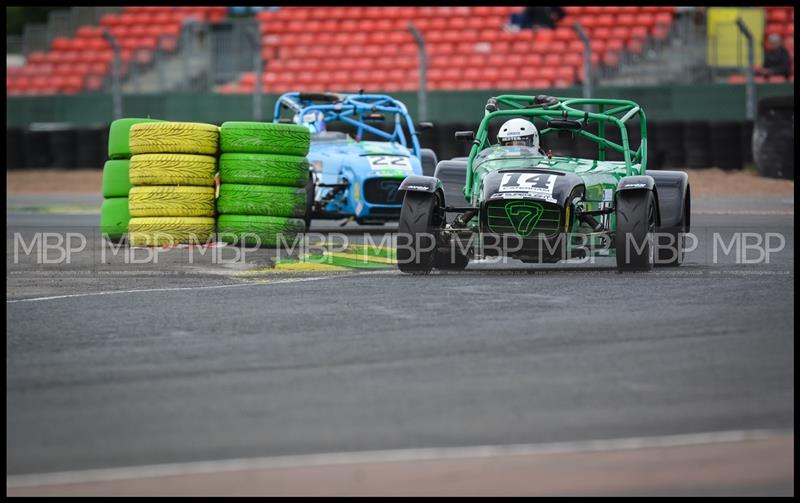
x=351, y=177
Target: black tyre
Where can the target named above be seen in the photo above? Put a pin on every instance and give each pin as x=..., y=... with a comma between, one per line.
x=636, y=223
x=420, y=218
x=671, y=242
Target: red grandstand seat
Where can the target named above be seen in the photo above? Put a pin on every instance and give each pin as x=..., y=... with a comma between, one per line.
x=639, y=32
x=94, y=82
x=601, y=33
x=61, y=44
x=660, y=31
x=35, y=57
x=626, y=20
x=541, y=83
x=645, y=19
x=620, y=33
x=572, y=58
x=606, y=21
x=615, y=45
x=777, y=15
x=663, y=18
x=610, y=59
x=565, y=34
x=635, y=46
x=779, y=28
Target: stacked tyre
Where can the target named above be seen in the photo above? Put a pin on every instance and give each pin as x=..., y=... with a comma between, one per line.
x=114, y=214
x=264, y=193
x=172, y=169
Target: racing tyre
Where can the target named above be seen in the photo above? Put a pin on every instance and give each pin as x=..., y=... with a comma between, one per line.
x=263, y=200
x=167, y=231
x=173, y=169
x=114, y=217
x=420, y=218
x=116, y=182
x=671, y=242
x=636, y=223
x=171, y=201
x=259, y=230
x=174, y=138
x=119, y=136
x=263, y=169
x=264, y=138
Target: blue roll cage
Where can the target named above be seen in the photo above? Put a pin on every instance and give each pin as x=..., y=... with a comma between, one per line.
x=351, y=111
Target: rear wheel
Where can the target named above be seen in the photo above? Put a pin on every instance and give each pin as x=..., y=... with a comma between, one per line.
x=636, y=223
x=671, y=242
x=417, y=232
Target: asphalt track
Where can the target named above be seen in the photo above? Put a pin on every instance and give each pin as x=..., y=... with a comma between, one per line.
x=231, y=366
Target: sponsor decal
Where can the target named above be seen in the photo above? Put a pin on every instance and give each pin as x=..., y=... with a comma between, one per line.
x=524, y=215
x=634, y=185
x=416, y=187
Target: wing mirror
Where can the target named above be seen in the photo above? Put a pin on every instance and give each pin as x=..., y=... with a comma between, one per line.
x=465, y=136
x=422, y=126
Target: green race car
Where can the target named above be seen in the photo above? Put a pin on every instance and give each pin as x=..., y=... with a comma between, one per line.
x=523, y=203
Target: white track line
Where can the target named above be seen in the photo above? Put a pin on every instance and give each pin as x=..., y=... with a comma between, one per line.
x=175, y=289
x=486, y=451
x=744, y=212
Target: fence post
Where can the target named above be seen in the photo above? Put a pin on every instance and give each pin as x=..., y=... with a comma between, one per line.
x=750, y=91
x=587, y=60
x=258, y=69
x=116, y=71
x=422, y=93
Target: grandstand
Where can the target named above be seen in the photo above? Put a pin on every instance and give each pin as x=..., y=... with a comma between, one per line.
x=320, y=48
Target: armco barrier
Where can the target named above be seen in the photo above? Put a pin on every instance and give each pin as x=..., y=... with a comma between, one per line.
x=711, y=102
x=671, y=145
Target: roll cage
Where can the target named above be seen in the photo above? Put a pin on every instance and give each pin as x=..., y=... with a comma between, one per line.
x=351, y=109
x=560, y=110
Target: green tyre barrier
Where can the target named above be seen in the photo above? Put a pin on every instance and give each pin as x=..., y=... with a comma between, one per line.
x=114, y=217
x=118, y=137
x=116, y=182
x=174, y=138
x=263, y=200
x=263, y=169
x=173, y=169
x=169, y=201
x=264, y=138
x=259, y=230
x=168, y=231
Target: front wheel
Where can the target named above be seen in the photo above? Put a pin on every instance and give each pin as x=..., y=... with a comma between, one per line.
x=636, y=223
x=417, y=232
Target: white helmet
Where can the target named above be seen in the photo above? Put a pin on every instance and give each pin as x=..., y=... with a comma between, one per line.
x=519, y=132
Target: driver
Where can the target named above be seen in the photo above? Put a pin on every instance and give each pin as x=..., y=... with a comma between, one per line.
x=519, y=132
x=313, y=121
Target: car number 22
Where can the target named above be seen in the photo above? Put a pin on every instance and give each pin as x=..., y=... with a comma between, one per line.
x=388, y=161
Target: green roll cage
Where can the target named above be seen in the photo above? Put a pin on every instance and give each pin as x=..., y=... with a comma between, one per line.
x=619, y=113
